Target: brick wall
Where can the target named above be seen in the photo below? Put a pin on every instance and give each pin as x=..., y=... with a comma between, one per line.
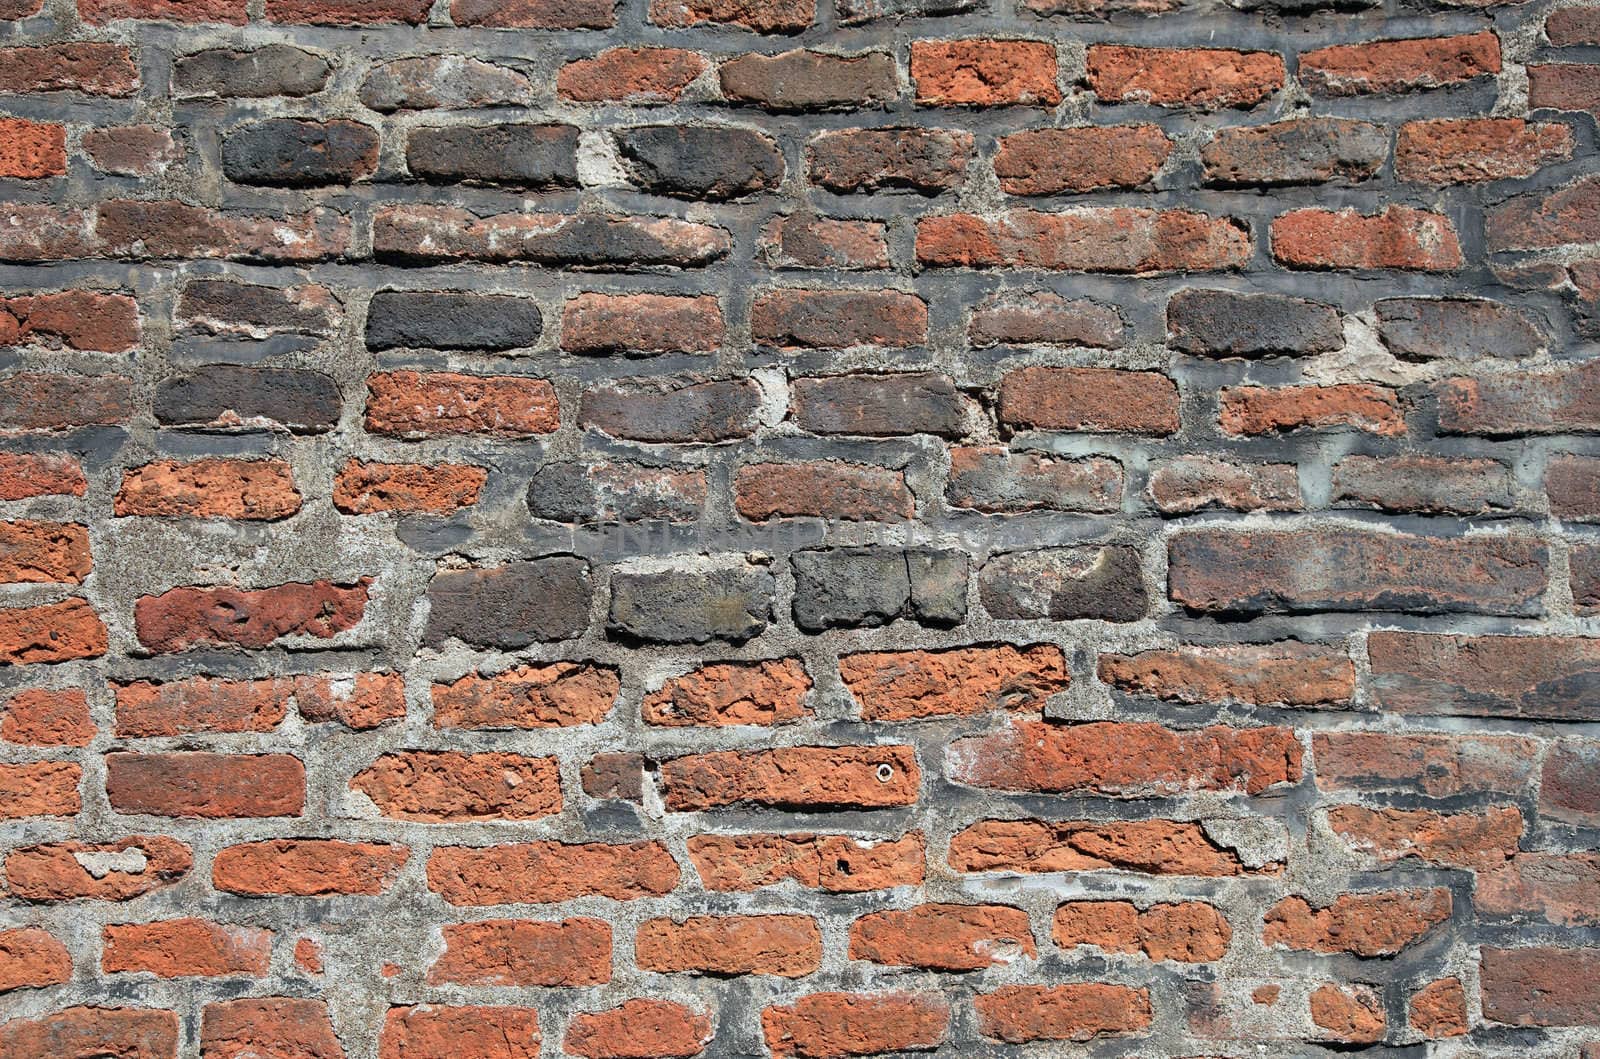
x=746, y=528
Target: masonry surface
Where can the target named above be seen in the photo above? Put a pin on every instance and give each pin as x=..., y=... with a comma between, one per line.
x=799, y=528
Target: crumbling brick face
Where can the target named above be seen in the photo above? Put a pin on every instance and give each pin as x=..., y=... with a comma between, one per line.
x=644, y=529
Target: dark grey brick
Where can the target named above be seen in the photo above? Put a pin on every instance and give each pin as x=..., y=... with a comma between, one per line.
x=732, y=603
x=447, y=320
x=511, y=606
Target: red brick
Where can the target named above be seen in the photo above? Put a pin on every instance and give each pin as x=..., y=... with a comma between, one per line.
x=114, y=1032
x=76, y=319
x=31, y=958
x=916, y=159
x=1150, y=847
x=132, y=150
x=25, y=475
x=173, y=230
x=40, y=788
x=1045, y=318
x=31, y=402
x=534, y=14
x=1436, y=765
x=431, y=1031
x=984, y=73
x=308, y=867
x=1263, y=410
x=121, y=870
x=1564, y=86
x=796, y=777
x=208, y=786
x=1086, y=158
x=1439, y=1009
x=1472, y=150
x=177, y=948
x=761, y=16
x=551, y=872
x=784, y=946
x=639, y=1029
x=1017, y=1014
x=909, y=685
x=99, y=12
x=1200, y=483
x=1399, y=237
x=46, y=717
x=1348, y=1014
x=521, y=952
x=441, y=786
x=1187, y=932
x=630, y=75
x=1095, y=400
x=1371, y=923
x=1183, y=77
x=53, y=632
x=200, y=704
x=596, y=323
x=1546, y=218
x=1290, y=673
x=1556, y=888
x=943, y=937
x=1569, y=783
x=1540, y=986
x=1477, y=839
x=185, y=617
x=415, y=404
x=1534, y=678
x=1399, y=65
x=31, y=150
x=790, y=318
x=347, y=12
x=825, y=489
x=1573, y=25
x=804, y=240
x=268, y=1028
x=1129, y=759
x=44, y=553
x=557, y=695
x=255, y=490
x=93, y=69
x=837, y=1025
x=1521, y=403
x=733, y=693
x=834, y=863
x=363, y=488
x=1116, y=239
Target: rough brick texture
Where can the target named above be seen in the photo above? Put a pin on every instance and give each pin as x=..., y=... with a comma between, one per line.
x=799, y=529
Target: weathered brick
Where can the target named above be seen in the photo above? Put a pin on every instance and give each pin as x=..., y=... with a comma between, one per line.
x=1564, y=86
x=429, y=82
x=36, y=402
x=810, y=319
x=1424, y=484
x=1183, y=77
x=1220, y=323
x=700, y=162
x=577, y=492
x=872, y=586
x=1520, y=403
x=33, y=552
x=1543, y=678
x=1435, y=765
x=176, y=948
x=731, y=693
x=1573, y=25
x=731, y=602
x=104, y=871
x=515, y=155
x=1399, y=65
x=215, y=705
x=270, y=1026
x=288, y=152
x=1289, y=674
x=1200, y=483
x=1065, y=584
x=1465, y=328
x=1187, y=932
x=836, y=1025
x=557, y=695
x=1538, y=986
x=1348, y=1015
x=669, y=410
x=1021, y=1013
x=407, y=488
x=187, y=617
x=786, y=946
x=259, y=73
x=521, y=952
x=1458, y=840
x=204, y=785
x=431, y=1031
x=39, y=788
x=32, y=150
x=1304, y=571
x=639, y=1029
x=845, y=491
x=25, y=475
x=631, y=75
x=92, y=69
x=1472, y=150
x=255, y=490
x=414, y=404
x=120, y=1032
x=1087, y=158
x=804, y=240
x=421, y=234
x=908, y=685
x=864, y=160
x=1439, y=1009
x=1364, y=923
x=1116, y=239
x=759, y=16
x=1264, y=410
x=1397, y=237
x=605, y=324
x=835, y=863
x=550, y=872
x=1045, y=318
x=1554, y=888
x=490, y=322
x=51, y=632
x=984, y=73
x=1569, y=783
x=228, y=397
x=31, y=958
x=439, y=786
x=996, y=480
x=1093, y=400
x=534, y=14
x=42, y=717
x=943, y=937
x=1151, y=847
x=253, y=311
x=347, y=12
x=879, y=405
x=1546, y=218
x=1297, y=151
x=511, y=606
x=308, y=867
x=810, y=80
x=1126, y=759
x=796, y=777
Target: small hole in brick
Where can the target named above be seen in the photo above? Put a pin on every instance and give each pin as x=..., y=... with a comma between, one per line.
x=885, y=773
